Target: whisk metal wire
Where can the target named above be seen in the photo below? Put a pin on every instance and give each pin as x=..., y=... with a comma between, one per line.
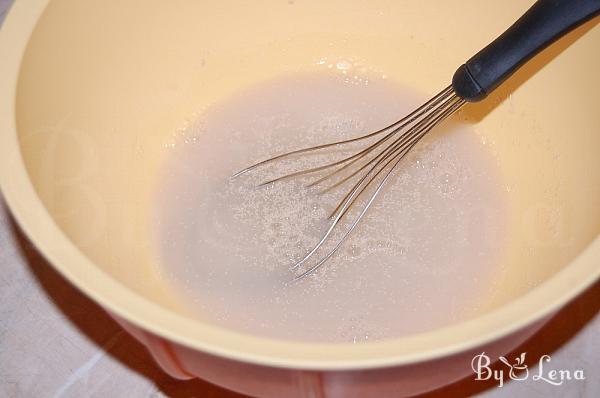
x=376, y=162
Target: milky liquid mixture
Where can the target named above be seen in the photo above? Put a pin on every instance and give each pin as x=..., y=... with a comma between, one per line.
x=425, y=256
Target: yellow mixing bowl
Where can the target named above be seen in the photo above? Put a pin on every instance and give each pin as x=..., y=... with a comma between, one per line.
x=93, y=92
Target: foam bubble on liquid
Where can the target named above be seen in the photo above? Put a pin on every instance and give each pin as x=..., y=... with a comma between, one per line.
x=354, y=71
x=421, y=258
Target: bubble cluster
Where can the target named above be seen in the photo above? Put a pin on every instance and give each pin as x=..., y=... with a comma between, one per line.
x=354, y=72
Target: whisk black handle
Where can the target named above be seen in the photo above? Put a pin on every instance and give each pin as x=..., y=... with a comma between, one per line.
x=545, y=22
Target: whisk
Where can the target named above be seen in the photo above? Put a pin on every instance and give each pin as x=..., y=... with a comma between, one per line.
x=370, y=168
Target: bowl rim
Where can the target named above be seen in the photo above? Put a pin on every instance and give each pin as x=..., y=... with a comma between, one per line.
x=33, y=218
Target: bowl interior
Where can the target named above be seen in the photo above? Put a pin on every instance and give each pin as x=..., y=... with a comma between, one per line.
x=105, y=87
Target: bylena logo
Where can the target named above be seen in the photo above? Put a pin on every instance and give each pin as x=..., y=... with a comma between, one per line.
x=519, y=371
